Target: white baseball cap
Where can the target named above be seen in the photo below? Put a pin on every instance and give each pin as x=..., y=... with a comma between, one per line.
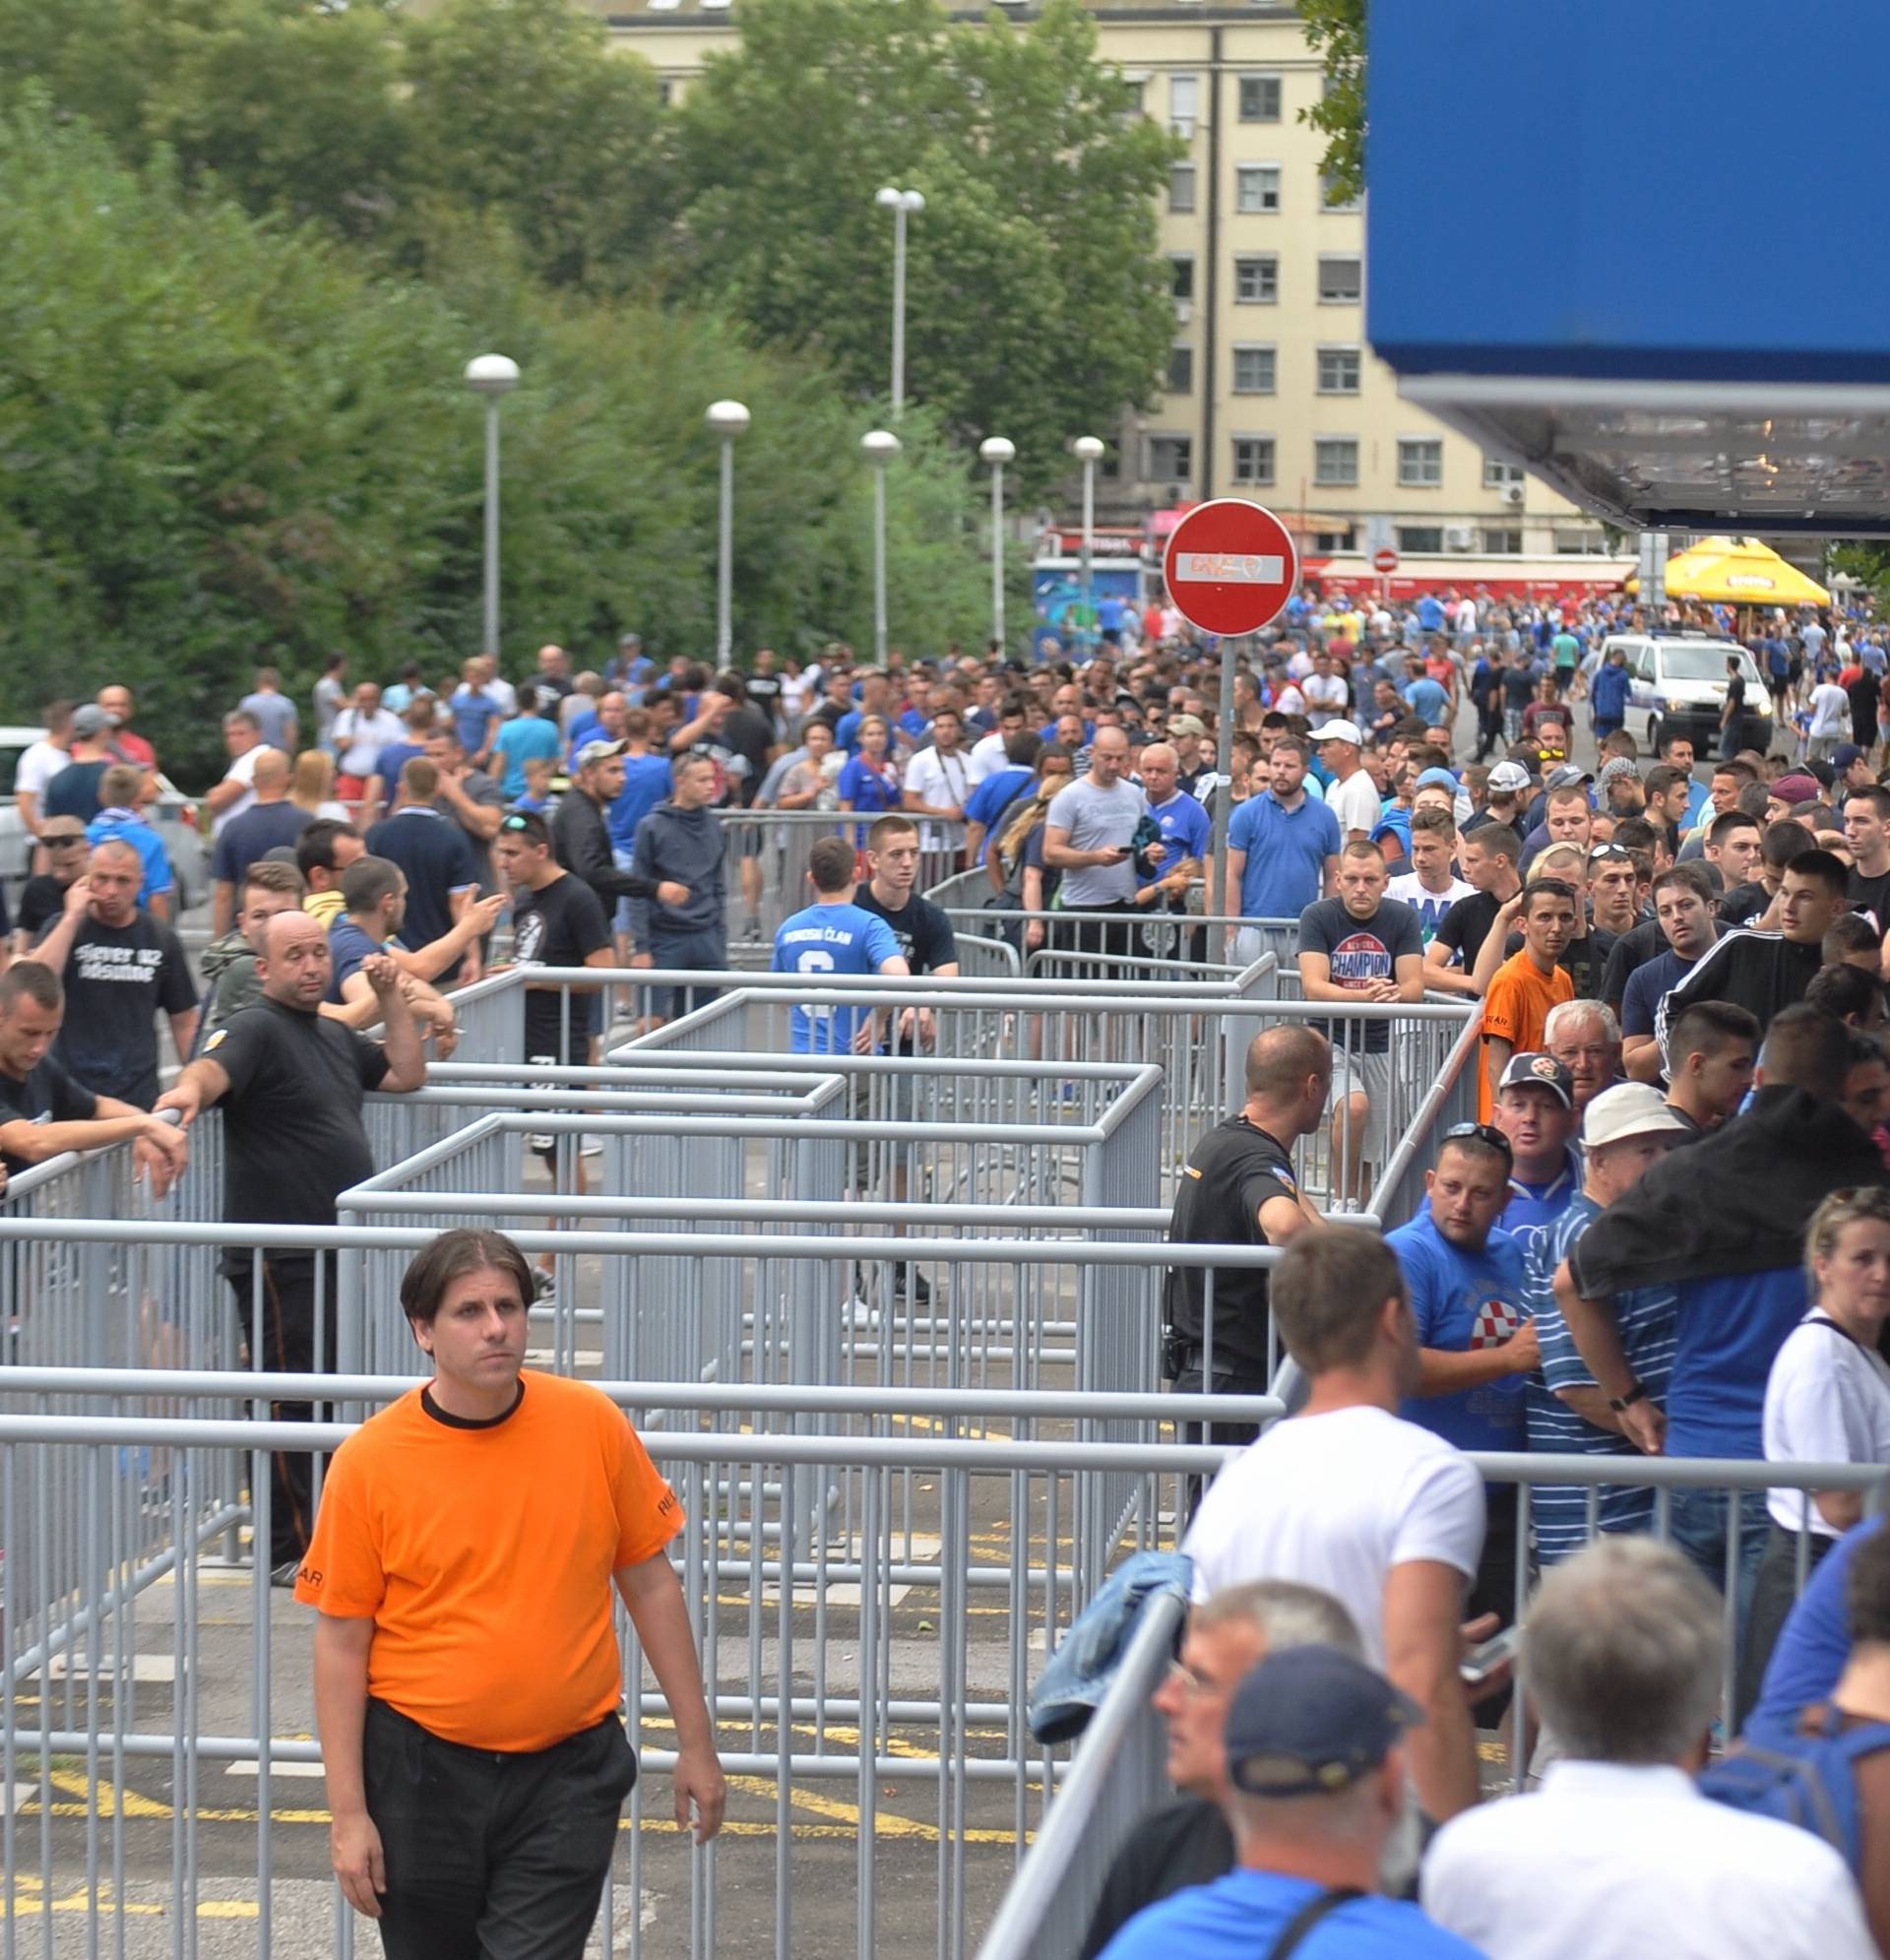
x=1508, y=777
x=1629, y=1110
x=1339, y=731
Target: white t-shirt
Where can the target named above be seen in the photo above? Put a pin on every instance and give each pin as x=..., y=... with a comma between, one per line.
x=1326, y=690
x=939, y=780
x=1827, y=1400
x=1830, y=711
x=243, y=771
x=360, y=738
x=1618, y=1860
x=37, y=767
x=1336, y=1501
x=985, y=759
x=1356, y=802
x=502, y=692
x=1290, y=701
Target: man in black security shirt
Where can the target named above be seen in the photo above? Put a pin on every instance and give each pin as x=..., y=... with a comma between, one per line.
x=291, y=1082
x=44, y=1111
x=119, y=967
x=1240, y=1189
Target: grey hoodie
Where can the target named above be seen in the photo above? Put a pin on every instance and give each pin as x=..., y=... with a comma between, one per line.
x=686, y=846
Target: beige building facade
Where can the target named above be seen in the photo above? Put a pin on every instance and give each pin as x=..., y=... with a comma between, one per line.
x=1271, y=391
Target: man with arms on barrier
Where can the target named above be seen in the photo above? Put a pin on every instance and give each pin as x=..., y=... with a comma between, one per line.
x=119, y=969
x=1190, y=1841
x=467, y=1675
x=1239, y=1188
x=1724, y=1222
x=1283, y=849
x=678, y=921
x=1316, y=1749
x=1535, y=1111
x=1528, y=984
x=44, y=1111
x=375, y=894
x=1361, y=947
x=291, y=1083
x=834, y=936
x=1475, y=1341
x=1618, y=1855
x=1626, y=1130
x=1345, y=1495
x=1712, y=1049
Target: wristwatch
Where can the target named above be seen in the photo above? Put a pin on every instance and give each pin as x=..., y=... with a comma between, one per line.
x=1638, y=1393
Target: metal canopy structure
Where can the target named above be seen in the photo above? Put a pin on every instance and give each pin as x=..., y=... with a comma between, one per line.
x=1634, y=294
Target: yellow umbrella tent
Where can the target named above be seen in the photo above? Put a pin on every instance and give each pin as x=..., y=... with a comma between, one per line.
x=1737, y=571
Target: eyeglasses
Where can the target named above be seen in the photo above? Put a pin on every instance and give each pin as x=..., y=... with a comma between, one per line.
x=1190, y=1683
x=1483, y=1133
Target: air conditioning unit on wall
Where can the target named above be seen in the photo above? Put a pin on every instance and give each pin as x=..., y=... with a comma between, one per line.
x=1512, y=493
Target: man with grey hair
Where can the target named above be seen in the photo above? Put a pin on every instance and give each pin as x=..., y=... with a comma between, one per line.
x=1618, y=1855
x=1189, y=1841
x=1585, y=1039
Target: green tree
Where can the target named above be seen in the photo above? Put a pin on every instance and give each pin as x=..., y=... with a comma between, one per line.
x=1036, y=302
x=1335, y=31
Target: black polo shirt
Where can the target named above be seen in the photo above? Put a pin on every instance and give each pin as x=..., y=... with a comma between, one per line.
x=294, y=1138
x=1235, y=1169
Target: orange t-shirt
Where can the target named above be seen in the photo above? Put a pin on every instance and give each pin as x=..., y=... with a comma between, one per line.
x=1516, y=1011
x=484, y=1555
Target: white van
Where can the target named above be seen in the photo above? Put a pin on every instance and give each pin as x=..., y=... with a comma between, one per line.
x=1676, y=684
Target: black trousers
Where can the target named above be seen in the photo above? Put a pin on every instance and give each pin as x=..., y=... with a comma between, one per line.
x=492, y=1856
x=278, y=1316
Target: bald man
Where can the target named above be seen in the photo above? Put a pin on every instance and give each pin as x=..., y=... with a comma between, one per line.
x=270, y=822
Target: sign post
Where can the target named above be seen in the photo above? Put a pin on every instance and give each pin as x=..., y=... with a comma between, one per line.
x=1230, y=567
x=1384, y=563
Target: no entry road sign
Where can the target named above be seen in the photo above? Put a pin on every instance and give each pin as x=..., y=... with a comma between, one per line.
x=1230, y=566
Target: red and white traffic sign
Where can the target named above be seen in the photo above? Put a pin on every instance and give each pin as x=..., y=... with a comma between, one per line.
x=1230, y=566
x=1384, y=563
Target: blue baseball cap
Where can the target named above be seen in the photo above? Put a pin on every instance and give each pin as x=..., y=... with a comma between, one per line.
x=1308, y=1721
x=1437, y=778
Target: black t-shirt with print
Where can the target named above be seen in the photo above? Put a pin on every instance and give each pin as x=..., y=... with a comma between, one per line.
x=561, y=926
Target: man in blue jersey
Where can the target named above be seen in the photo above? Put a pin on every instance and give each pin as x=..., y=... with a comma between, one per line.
x=834, y=936
x=1477, y=1344
x=1624, y=1130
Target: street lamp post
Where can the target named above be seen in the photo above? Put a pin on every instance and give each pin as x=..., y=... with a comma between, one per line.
x=901, y=204
x=881, y=446
x=1088, y=452
x=727, y=420
x=997, y=450
x=492, y=375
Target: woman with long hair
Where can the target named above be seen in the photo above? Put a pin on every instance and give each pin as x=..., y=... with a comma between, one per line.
x=311, y=786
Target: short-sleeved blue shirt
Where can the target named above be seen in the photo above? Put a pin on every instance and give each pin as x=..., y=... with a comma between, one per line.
x=828, y=939
x=1287, y=853
x=1463, y=1303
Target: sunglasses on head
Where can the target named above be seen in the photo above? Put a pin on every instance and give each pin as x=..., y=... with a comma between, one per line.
x=1484, y=1133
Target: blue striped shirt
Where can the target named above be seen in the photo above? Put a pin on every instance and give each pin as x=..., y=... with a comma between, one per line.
x=1558, y=1513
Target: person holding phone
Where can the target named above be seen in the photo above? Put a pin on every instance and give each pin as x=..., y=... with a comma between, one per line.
x=1089, y=835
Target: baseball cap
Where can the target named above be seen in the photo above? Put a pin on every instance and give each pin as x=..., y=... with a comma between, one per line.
x=1533, y=1069
x=1629, y=1110
x=1844, y=755
x=1615, y=767
x=598, y=751
x=89, y=721
x=1437, y=778
x=1309, y=1720
x=1566, y=777
x=1186, y=725
x=1339, y=731
x=1509, y=779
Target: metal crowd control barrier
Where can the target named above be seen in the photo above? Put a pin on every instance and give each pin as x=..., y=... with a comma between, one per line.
x=1117, y=1776
x=1172, y=945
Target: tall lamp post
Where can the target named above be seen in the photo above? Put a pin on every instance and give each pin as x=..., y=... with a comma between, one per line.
x=881, y=446
x=492, y=375
x=997, y=450
x=726, y=420
x=1088, y=452
x=901, y=204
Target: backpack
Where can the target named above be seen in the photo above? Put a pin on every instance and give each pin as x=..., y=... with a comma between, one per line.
x=1807, y=1780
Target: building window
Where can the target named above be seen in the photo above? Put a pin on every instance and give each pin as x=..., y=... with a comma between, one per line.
x=1499, y=476
x=1256, y=187
x=1184, y=105
x=1582, y=543
x=665, y=92
x=1421, y=466
x=1335, y=461
x=1253, y=370
x=1181, y=188
x=1325, y=202
x=1180, y=370
x=1181, y=275
x=1172, y=459
x=1340, y=282
x=1504, y=542
x=1256, y=280
x=1254, y=459
x=1420, y=537
x=1338, y=370
x=1324, y=541
x=1137, y=87
x=1259, y=99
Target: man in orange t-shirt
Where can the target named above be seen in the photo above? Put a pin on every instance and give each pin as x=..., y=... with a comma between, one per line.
x=1527, y=984
x=467, y=1673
